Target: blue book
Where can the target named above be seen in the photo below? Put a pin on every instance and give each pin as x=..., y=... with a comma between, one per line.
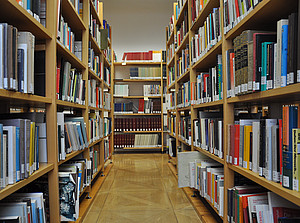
x=29, y=5
x=284, y=52
x=264, y=64
x=210, y=29
x=34, y=213
x=80, y=135
x=18, y=168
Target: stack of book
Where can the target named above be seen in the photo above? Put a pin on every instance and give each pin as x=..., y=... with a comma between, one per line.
x=124, y=108
x=95, y=94
x=137, y=124
x=121, y=90
x=70, y=85
x=145, y=73
x=152, y=90
x=183, y=62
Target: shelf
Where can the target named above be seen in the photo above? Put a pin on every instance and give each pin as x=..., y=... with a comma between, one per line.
x=8, y=190
x=290, y=195
x=170, y=134
x=183, y=43
x=184, y=77
x=210, y=58
x=141, y=132
x=94, y=75
x=143, y=147
x=172, y=85
x=94, y=108
x=69, y=104
x=83, y=191
x=71, y=16
x=181, y=14
x=95, y=45
x=138, y=114
x=106, y=61
x=209, y=104
x=171, y=61
x=214, y=157
x=69, y=56
x=95, y=142
x=109, y=135
x=18, y=98
x=70, y=156
x=135, y=63
x=266, y=12
x=188, y=108
x=207, y=9
x=106, y=110
x=98, y=171
x=183, y=141
x=137, y=80
x=133, y=97
x=171, y=39
x=106, y=85
x=282, y=94
x=95, y=14
x=16, y=15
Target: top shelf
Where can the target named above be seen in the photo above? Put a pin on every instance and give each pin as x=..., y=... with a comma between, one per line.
x=71, y=16
x=135, y=63
x=95, y=14
x=17, y=16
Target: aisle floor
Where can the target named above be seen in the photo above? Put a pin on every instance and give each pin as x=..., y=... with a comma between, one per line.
x=141, y=188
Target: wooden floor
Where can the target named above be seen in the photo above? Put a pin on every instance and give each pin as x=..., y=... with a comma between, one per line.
x=141, y=188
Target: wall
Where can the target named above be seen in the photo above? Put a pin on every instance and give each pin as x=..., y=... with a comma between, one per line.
x=137, y=25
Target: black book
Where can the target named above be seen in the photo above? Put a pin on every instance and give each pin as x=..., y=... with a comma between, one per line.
x=292, y=49
x=39, y=73
x=262, y=146
x=20, y=70
x=61, y=78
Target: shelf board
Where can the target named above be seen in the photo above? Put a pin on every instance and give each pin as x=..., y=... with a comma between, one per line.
x=141, y=132
x=69, y=104
x=83, y=191
x=171, y=39
x=282, y=94
x=137, y=80
x=94, y=108
x=172, y=85
x=94, y=75
x=95, y=14
x=109, y=135
x=184, y=142
x=214, y=157
x=8, y=190
x=86, y=203
x=96, y=173
x=106, y=61
x=71, y=16
x=69, y=56
x=21, y=98
x=70, y=156
x=17, y=16
x=159, y=147
x=181, y=14
x=138, y=114
x=171, y=62
x=106, y=110
x=95, y=45
x=95, y=142
x=184, y=108
x=106, y=85
x=135, y=63
x=133, y=97
x=207, y=9
x=172, y=135
x=184, y=77
x=183, y=43
x=290, y=195
x=209, y=104
x=210, y=58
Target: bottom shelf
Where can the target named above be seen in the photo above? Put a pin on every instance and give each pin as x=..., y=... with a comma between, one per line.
x=86, y=203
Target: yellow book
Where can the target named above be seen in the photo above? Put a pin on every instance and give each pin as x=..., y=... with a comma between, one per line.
x=296, y=158
x=205, y=34
x=247, y=132
x=31, y=150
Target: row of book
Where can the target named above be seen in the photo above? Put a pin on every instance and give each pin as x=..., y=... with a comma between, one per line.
x=126, y=107
x=99, y=35
x=107, y=126
x=95, y=63
x=208, y=134
x=170, y=100
x=107, y=149
x=254, y=204
x=179, y=7
x=170, y=27
x=95, y=161
x=36, y=8
x=145, y=72
x=107, y=27
x=96, y=127
x=150, y=56
x=72, y=135
x=171, y=145
x=208, y=35
x=268, y=146
x=170, y=52
x=97, y=6
x=235, y=10
x=23, y=147
x=95, y=94
x=182, y=30
x=172, y=124
x=149, y=106
x=171, y=76
x=185, y=129
x=16, y=59
x=106, y=75
x=152, y=90
x=23, y=207
x=184, y=94
x=70, y=85
x=196, y=8
x=137, y=140
x=183, y=62
x=121, y=90
x=137, y=124
x=107, y=101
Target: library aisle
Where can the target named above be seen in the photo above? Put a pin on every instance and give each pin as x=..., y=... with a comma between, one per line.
x=141, y=188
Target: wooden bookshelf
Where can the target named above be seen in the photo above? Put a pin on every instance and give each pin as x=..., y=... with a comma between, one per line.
x=137, y=80
x=69, y=104
x=72, y=17
x=159, y=147
x=171, y=62
x=183, y=44
x=207, y=153
x=148, y=132
x=184, y=77
x=136, y=63
x=136, y=97
x=181, y=14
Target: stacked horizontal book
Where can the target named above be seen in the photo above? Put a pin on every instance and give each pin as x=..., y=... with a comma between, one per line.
x=95, y=94
x=137, y=124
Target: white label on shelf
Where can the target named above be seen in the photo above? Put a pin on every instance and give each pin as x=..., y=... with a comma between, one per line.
x=23, y=168
x=245, y=164
x=230, y=159
x=263, y=80
x=250, y=85
x=295, y=185
x=250, y=165
x=260, y=171
x=286, y=181
x=283, y=81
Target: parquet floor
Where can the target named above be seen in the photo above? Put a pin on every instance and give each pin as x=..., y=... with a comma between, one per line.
x=141, y=188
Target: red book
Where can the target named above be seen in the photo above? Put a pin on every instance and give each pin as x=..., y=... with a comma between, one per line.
x=280, y=148
x=57, y=78
x=231, y=71
x=236, y=145
x=237, y=8
x=141, y=106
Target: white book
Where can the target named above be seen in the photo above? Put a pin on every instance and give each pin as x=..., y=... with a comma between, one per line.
x=1, y=56
x=260, y=210
x=256, y=145
x=253, y=201
x=61, y=122
x=24, y=82
x=14, y=209
x=268, y=172
x=11, y=153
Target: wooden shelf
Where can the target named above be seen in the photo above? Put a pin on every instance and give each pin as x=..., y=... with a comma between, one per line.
x=98, y=171
x=170, y=134
x=95, y=45
x=183, y=43
x=172, y=85
x=44, y=168
x=149, y=132
x=210, y=58
x=69, y=104
x=94, y=75
x=283, y=95
x=16, y=15
x=207, y=9
x=290, y=195
x=106, y=85
x=70, y=156
x=137, y=80
x=136, y=63
x=171, y=62
x=183, y=141
x=71, y=16
x=181, y=14
x=95, y=14
x=138, y=114
x=184, y=77
x=21, y=98
x=188, y=108
x=83, y=191
x=171, y=39
x=94, y=108
x=109, y=135
x=142, y=148
x=137, y=97
x=214, y=157
x=69, y=56
x=209, y=104
x=106, y=110
x=95, y=142
x=106, y=61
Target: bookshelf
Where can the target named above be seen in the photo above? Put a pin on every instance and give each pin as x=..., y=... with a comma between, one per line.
x=121, y=76
x=14, y=14
x=263, y=16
